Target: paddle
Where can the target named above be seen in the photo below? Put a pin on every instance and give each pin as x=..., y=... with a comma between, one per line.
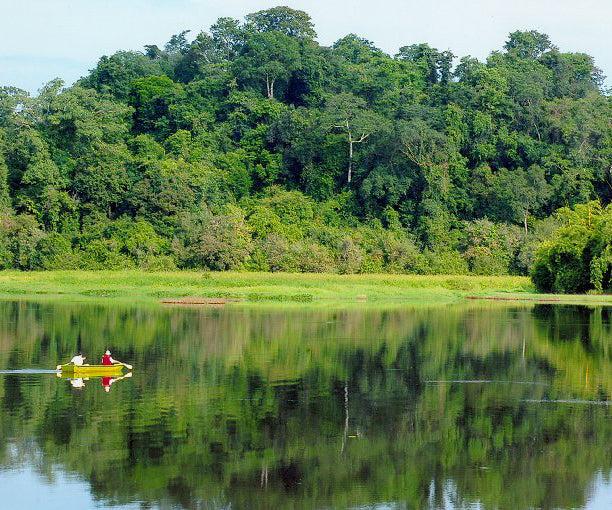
x=126, y=376
x=59, y=367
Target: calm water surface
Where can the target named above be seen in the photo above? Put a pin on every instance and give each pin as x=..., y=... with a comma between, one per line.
x=459, y=407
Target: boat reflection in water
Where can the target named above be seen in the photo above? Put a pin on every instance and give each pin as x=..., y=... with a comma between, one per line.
x=78, y=383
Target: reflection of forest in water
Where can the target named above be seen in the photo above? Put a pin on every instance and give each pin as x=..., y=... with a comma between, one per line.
x=302, y=408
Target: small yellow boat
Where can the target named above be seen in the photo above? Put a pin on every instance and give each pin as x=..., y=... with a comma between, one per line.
x=91, y=370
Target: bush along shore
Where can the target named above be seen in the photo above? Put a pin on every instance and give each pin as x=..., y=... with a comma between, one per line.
x=252, y=147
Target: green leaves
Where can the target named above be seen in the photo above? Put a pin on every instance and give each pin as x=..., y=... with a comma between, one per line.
x=528, y=45
x=577, y=256
x=5, y=198
x=257, y=114
x=291, y=22
x=348, y=114
x=115, y=74
x=218, y=242
x=267, y=59
x=153, y=99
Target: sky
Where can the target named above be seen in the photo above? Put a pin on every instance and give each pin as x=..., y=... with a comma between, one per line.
x=44, y=39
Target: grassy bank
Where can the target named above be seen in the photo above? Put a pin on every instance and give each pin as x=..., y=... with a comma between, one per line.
x=256, y=287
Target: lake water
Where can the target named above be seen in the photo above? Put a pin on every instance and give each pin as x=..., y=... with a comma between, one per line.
x=474, y=406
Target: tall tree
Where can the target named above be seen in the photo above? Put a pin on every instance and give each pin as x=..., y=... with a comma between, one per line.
x=268, y=58
x=530, y=44
x=115, y=74
x=5, y=197
x=349, y=115
x=521, y=192
x=291, y=22
x=436, y=66
x=228, y=37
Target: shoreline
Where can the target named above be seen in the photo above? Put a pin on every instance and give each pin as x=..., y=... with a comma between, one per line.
x=240, y=287
x=213, y=289
x=197, y=288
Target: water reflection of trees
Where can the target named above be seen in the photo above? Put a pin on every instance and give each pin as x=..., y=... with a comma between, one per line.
x=275, y=407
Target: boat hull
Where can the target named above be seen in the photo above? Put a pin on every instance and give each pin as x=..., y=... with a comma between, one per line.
x=91, y=370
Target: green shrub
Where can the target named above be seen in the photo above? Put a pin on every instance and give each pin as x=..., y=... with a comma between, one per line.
x=257, y=261
x=445, y=262
x=219, y=242
x=264, y=221
x=350, y=257
x=54, y=251
x=526, y=253
x=292, y=207
x=19, y=236
x=312, y=258
x=158, y=263
x=99, y=255
x=372, y=263
x=278, y=254
x=490, y=248
x=483, y=261
x=565, y=263
x=402, y=256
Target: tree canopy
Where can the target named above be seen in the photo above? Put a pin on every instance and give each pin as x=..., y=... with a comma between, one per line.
x=422, y=150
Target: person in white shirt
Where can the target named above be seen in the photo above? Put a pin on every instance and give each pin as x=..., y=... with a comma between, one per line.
x=78, y=360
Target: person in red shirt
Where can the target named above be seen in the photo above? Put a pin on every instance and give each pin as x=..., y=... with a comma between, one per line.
x=107, y=360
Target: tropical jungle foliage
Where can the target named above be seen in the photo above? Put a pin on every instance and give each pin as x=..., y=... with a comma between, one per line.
x=251, y=146
x=578, y=257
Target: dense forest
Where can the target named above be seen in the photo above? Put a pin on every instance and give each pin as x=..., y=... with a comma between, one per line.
x=251, y=146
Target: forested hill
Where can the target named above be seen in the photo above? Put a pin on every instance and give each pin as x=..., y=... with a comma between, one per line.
x=255, y=147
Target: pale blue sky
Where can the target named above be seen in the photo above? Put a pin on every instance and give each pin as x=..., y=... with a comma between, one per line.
x=43, y=39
